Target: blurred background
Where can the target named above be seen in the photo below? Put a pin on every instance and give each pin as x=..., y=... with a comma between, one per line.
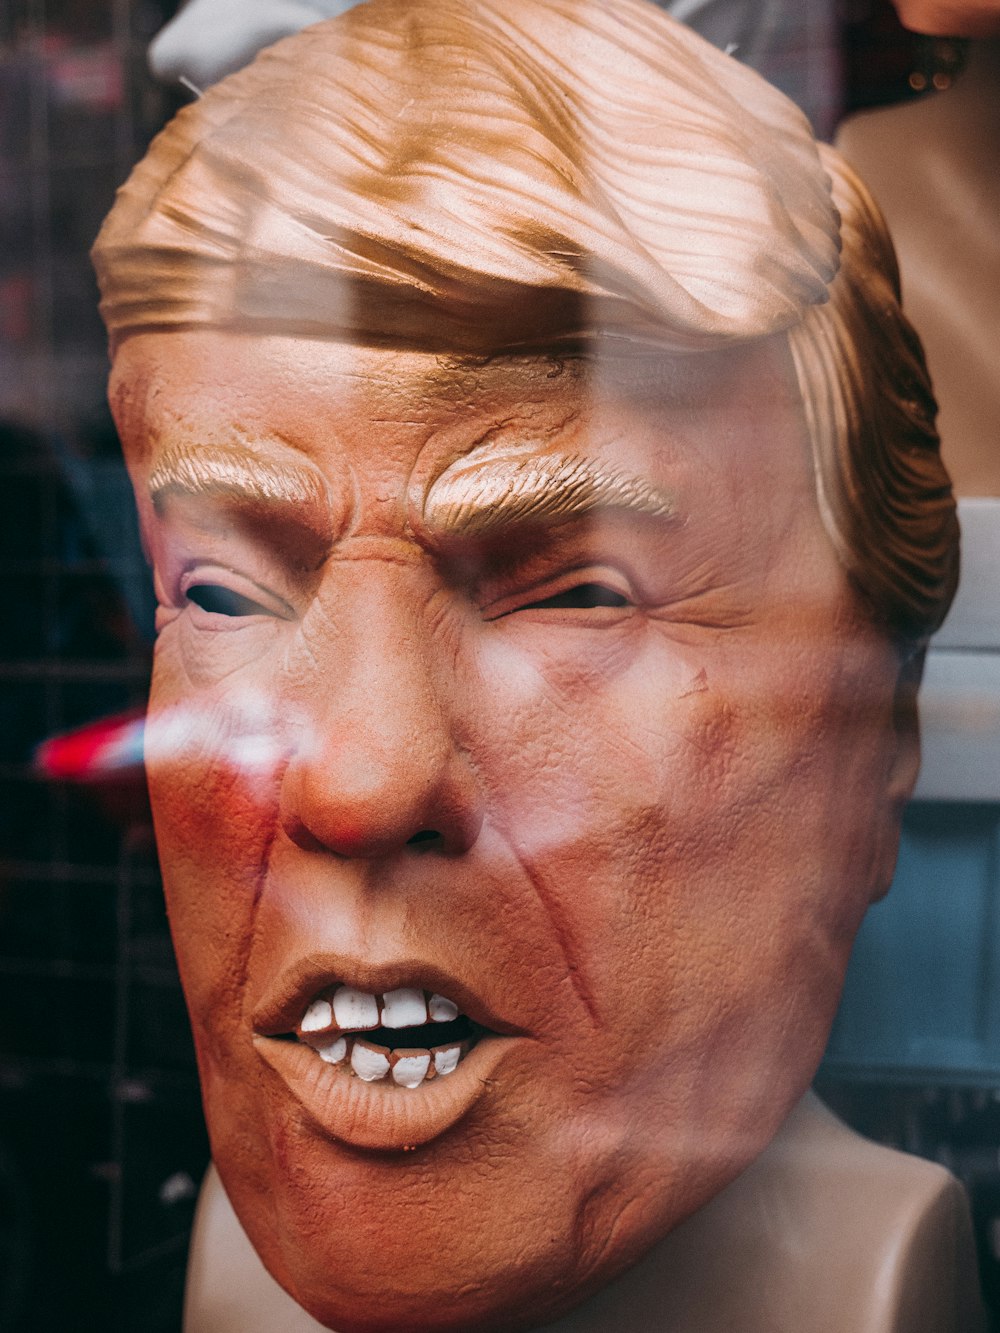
x=101, y=1139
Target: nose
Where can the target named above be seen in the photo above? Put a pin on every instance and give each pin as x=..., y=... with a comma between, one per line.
x=379, y=768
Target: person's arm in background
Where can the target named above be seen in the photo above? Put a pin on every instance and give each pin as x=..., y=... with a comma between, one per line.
x=208, y=39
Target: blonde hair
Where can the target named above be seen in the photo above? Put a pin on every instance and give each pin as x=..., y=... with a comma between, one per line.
x=503, y=175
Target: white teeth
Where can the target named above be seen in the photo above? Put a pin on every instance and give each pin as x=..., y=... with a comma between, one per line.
x=410, y=1070
x=318, y=1016
x=442, y=1010
x=446, y=1059
x=333, y=1052
x=354, y=1009
x=368, y=1063
x=403, y=1008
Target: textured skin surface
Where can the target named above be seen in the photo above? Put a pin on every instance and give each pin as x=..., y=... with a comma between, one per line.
x=659, y=822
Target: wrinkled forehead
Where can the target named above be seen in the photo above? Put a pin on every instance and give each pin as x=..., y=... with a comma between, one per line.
x=311, y=447
x=231, y=386
x=313, y=435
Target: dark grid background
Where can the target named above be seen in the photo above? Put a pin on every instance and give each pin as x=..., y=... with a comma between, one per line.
x=101, y=1140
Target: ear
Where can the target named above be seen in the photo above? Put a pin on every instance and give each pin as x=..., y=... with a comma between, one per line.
x=904, y=766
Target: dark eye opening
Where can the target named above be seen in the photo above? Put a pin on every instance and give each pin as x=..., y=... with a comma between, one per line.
x=223, y=601
x=583, y=597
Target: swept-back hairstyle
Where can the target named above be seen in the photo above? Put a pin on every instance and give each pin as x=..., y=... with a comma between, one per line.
x=504, y=175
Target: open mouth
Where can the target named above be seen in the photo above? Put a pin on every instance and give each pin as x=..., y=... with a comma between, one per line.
x=382, y=1056
x=405, y=1035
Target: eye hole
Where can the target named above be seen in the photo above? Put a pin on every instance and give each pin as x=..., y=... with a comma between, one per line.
x=223, y=601
x=582, y=597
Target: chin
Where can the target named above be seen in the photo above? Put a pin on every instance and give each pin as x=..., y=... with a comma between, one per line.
x=475, y=1230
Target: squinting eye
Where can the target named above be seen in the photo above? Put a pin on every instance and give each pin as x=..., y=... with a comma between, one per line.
x=583, y=597
x=223, y=601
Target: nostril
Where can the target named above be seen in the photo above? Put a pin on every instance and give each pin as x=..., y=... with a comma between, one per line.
x=301, y=836
x=425, y=835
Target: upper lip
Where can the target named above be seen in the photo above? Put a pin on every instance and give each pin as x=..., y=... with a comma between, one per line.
x=281, y=1009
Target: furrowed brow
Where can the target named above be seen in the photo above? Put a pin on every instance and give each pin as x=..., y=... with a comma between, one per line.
x=247, y=480
x=477, y=500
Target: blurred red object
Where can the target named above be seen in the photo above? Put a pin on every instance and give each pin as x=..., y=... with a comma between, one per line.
x=106, y=757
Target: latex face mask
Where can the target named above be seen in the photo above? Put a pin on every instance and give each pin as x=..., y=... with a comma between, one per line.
x=522, y=765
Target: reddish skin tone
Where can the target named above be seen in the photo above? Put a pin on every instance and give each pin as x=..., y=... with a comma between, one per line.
x=659, y=823
x=980, y=18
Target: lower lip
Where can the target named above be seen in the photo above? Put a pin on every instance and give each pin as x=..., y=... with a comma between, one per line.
x=381, y=1115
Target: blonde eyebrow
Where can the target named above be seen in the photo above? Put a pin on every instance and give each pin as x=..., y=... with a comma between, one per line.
x=236, y=474
x=279, y=494
x=475, y=499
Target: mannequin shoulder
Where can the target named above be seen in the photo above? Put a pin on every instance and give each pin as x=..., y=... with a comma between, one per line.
x=884, y=1239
